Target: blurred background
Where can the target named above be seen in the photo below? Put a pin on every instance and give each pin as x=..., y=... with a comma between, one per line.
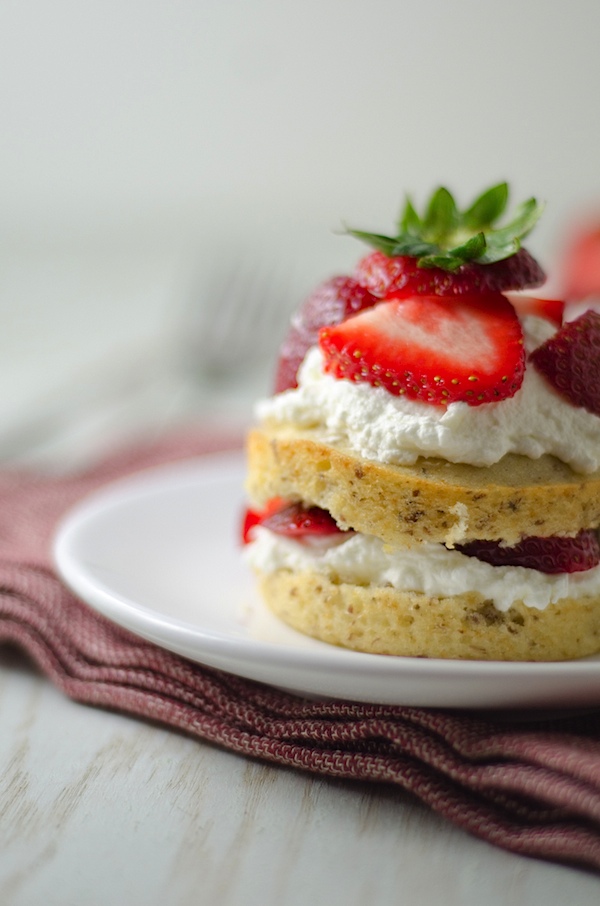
x=150, y=145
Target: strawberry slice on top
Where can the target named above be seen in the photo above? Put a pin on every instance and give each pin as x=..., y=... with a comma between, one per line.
x=431, y=350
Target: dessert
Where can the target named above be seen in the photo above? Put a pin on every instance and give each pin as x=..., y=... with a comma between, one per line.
x=425, y=478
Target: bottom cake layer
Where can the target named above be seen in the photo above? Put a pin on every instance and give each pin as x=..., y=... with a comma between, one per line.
x=466, y=626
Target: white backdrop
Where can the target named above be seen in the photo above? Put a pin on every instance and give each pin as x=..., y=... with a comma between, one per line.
x=155, y=115
x=135, y=132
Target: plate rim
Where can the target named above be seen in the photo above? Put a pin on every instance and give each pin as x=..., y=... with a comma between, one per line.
x=154, y=480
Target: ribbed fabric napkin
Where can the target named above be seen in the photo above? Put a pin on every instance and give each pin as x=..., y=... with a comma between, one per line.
x=532, y=787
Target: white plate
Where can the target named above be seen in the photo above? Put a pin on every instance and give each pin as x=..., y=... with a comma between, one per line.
x=160, y=554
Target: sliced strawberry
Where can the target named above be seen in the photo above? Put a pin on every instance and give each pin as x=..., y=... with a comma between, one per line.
x=547, y=555
x=250, y=519
x=254, y=517
x=581, y=264
x=471, y=350
x=385, y=276
x=570, y=361
x=294, y=520
x=291, y=355
x=330, y=303
x=550, y=309
x=297, y=521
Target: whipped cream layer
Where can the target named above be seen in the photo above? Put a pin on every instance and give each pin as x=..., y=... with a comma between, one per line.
x=392, y=429
x=429, y=568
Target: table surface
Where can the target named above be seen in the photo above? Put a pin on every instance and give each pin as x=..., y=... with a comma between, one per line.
x=96, y=807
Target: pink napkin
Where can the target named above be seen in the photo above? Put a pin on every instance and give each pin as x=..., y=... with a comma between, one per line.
x=529, y=786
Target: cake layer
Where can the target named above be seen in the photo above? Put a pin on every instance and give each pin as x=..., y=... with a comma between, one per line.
x=432, y=500
x=466, y=626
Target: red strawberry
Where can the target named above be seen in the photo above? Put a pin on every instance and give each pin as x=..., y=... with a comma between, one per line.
x=550, y=309
x=297, y=521
x=385, y=276
x=291, y=519
x=547, y=555
x=430, y=350
x=581, y=265
x=570, y=361
x=254, y=517
x=330, y=303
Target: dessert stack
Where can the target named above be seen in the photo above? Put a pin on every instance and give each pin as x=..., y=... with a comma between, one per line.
x=425, y=479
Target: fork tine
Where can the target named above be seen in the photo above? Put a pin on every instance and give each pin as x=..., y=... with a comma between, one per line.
x=236, y=321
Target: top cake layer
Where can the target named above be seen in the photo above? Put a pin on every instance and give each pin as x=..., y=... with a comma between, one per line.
x=432, y=500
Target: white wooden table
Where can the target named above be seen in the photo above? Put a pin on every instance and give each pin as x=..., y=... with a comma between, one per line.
x=97, y=808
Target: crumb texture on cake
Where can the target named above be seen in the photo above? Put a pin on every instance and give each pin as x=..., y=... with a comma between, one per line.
x=468, y=626
x=431, y=501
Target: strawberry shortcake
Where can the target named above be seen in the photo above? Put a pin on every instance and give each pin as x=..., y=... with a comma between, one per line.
x=425, y=478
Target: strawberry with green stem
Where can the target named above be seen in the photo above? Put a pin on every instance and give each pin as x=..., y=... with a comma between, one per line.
x=447, y=251
x=446, y=254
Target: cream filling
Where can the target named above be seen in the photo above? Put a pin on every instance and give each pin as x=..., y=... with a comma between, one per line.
x=429, y=568
x=379, y=426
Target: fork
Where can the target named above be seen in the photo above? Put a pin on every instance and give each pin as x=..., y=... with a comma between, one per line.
x=226, y=338
x=233, y=323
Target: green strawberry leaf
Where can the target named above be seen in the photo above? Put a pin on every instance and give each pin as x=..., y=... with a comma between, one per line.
x=410, y=222
x=498, y=251
x=526, y=217
x=392, y=246
x=442, y=216
x=447, y=237
x=472, y=249
x=486, y=209
x=446, y=262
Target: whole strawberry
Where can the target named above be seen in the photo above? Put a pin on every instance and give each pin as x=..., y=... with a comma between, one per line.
x=384, y=276
x=570, y=361
x=448, y=252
